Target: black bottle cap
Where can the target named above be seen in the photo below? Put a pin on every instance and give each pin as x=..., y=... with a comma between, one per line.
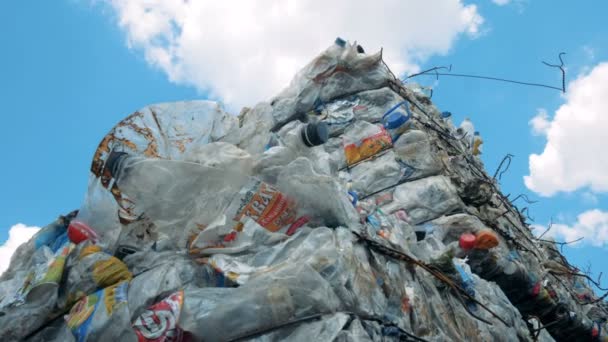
x=315, y=134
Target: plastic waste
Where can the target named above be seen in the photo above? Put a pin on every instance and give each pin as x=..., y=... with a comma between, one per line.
x=92, y=269
x=320, y=215
x=413, y=150
x=466, y=132
x=102, y=316
x=281, y=296
x=160, y=321
x=477, y=141
x=46, y=275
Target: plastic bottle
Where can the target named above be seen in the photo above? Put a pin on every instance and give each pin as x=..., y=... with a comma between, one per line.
x=337, y=48
x=477, y=141
x=466, y=130
x=180, y=197
x=446, y=117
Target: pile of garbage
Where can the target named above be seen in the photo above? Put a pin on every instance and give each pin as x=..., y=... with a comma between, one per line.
x=348, y=208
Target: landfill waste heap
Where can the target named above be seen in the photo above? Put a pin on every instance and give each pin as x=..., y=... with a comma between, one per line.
x=348, y=208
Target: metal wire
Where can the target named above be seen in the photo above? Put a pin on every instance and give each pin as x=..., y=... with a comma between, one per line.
x=508, y=158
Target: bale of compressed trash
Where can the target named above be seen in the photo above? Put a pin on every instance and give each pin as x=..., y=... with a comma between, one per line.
x=347, y=208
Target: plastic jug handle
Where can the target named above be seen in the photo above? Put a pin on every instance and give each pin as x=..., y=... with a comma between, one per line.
x=407, y=109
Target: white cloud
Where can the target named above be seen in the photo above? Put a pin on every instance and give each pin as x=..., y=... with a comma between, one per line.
x=591, y=225
x=501, y=2
x=540, y=123
x=574, y=156
x=17, y=235
x=247, y=51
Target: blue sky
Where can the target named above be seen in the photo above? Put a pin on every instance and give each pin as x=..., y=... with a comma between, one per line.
x=72, y=69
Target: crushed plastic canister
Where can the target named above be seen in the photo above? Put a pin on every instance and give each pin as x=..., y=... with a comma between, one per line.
x=396, y=123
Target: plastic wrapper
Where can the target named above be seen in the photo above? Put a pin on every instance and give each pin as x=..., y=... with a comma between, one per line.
x=159, y=323
x=228, y=239
x=363, y=140
x=102, y=316
x=339, y=114
x=93, y=269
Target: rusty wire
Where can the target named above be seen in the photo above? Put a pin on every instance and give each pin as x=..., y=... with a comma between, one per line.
x=492, y=78
x=449, y=68
x=561, y=68
x=393, y=253
x=509, y=158
x=525, y=198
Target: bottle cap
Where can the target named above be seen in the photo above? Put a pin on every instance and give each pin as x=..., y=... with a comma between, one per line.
x=395, y=119
x=79, y=231
x=315, y=134
x=467, y=241
x=486, y=239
